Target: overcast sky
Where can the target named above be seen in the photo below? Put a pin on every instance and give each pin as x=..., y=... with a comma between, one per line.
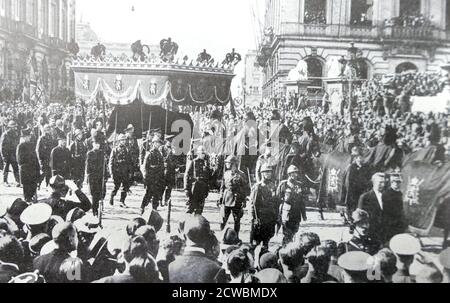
x=217, y=25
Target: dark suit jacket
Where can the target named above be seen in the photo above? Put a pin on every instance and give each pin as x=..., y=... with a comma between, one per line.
x=393, y=215
x=195, y=267
x=369, y=203
x=48, y=265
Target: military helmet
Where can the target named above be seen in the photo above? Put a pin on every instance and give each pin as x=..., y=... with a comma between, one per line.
x=231, y=159
x=292, y=169
x=266, y=168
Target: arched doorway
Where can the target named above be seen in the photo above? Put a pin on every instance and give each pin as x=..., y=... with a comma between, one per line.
x=315, y=71
x=364, y=70
x=406, y=67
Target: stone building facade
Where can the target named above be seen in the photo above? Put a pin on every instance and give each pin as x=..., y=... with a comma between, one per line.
x=36, y=37
x=392, y=36
x=253, y=79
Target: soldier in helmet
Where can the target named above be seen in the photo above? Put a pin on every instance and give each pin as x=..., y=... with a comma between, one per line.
x=264, y=206
x=196, y=182
x=293, y=208
x=233, y=193
x=361, y=240
x=153, y=176
x=121, y=169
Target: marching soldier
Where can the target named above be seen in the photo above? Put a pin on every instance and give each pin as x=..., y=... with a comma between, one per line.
x=121, y=169
x=28, y=166
x=9, y=142
x=44, y=148
x=233, y=194
x=266, y=159
x=60, y=206
x=264, y=206
x=361, y=241
x=96, y=171
x=133, y=148
x=153, y=176
x=60, y=159
x=169, y=169
x=196, y=182
x=293, y=208
x=78, y=152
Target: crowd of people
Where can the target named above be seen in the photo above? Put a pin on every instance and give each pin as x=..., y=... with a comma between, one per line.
x=56, y=240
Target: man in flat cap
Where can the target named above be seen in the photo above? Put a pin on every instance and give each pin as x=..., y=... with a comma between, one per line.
x=361, y=240
x=28, y=166
x=60, y=188
x=44, y=148
x=233, y=194
x=61, y=159
x=8, y=146
x=405, y=247
x=153, y=176
x=394, y=221
x=78, y=151
x=293, y=208
x=264, y=208
x=121, y=169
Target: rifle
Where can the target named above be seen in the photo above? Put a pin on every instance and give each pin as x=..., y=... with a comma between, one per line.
x=256, y=219
x=169, y=210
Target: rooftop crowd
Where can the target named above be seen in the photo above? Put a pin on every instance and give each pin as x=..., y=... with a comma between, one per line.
x=62, y=241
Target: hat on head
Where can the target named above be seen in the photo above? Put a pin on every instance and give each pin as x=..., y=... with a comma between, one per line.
x=156, y=139
x=57, y=181
x=230, y=238
x=360, y=215
x=37, y=242
x=36, y=214
x=12, y=124
x=129, y=127
x=61, y=136
x=48, y=248
x=354, y=261
x=444, y=258
x=197, y=229
x=270, y=275
x=78, y=132
x=266, y=168
x=75, y=214
x=292, y=169
x=396, y=178
x=169, y=137
x=88, y=224
x=17, y=207
x=121, y=137
x=231, y=159
x=153, y=219
x=405, y=244
x=25, y=132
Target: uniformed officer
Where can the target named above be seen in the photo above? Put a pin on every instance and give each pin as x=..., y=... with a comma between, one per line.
x=153, y=176
x=44, y=148
x=121, y=169
x=264, y=208
x=356, y=266
x=36, y=218
x=60, y=206
x=60, y=159
x=9, y=142
x=133, y=149
x=233, y=194
x=169, y=168
x=293, y=208
x=28, y=166
x=196, y=182
x=405, y=247
x=361, y=241
x=266, y=159
x=78, y=151
x=96, y=172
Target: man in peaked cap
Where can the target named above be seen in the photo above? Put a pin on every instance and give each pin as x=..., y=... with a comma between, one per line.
x=361, y=240
x=153, y=176
x=28, y=166
x=44, y=148
x=355, y=265
x=60, y=159
x=264, y=208
x=121, y=169
x=96, y=170
x=78, y=151
x=133, y=148
x=394, y=221
x=405, y=246
x=8, y=146
x=170, y=166
x=233, y=194
x=36, y=218
x=293, y=208
x=60, y=206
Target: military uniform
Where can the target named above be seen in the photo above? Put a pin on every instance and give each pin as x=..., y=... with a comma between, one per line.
x=96, y=171
x=44, y=148
x=196, y=184
x=264, y=206
x=78, y=151
x=9, y=143
x=28, y=169
x=234, y=192
x=263, y=160
x=169, y=171
x=60, y=162
x=364, y=244
x=292, y=209
x=133, y=148
x=154, y=178
x=121, y=168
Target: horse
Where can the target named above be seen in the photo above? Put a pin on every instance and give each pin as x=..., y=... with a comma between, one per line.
x=138, y=51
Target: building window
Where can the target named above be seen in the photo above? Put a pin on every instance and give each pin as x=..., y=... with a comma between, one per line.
x=315, y=71
x=406, y=67
x=315, y=12
x=54, y=16
x=362, y=12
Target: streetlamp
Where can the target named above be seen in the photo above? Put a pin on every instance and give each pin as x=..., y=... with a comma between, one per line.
x=351, y=70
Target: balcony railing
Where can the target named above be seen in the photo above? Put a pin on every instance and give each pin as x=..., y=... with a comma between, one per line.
x=18, y=27
x=363, y=32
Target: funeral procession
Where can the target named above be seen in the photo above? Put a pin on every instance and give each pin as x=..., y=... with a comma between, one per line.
x=212, y=141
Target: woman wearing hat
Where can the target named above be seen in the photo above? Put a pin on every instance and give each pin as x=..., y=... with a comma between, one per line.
x=9, y=142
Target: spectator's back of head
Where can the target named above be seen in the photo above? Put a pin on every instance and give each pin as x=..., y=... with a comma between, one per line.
x=319, y=259
x=65, y=236
x=11, y=250
x=133, y=248
x=197, y=229
x=149, y=234
x=307, y=241
x=133, y=225
x=238, y=262
x=292, y=256
x=330, y=247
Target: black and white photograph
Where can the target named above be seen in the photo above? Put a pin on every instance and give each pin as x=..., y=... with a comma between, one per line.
x=248, y=142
